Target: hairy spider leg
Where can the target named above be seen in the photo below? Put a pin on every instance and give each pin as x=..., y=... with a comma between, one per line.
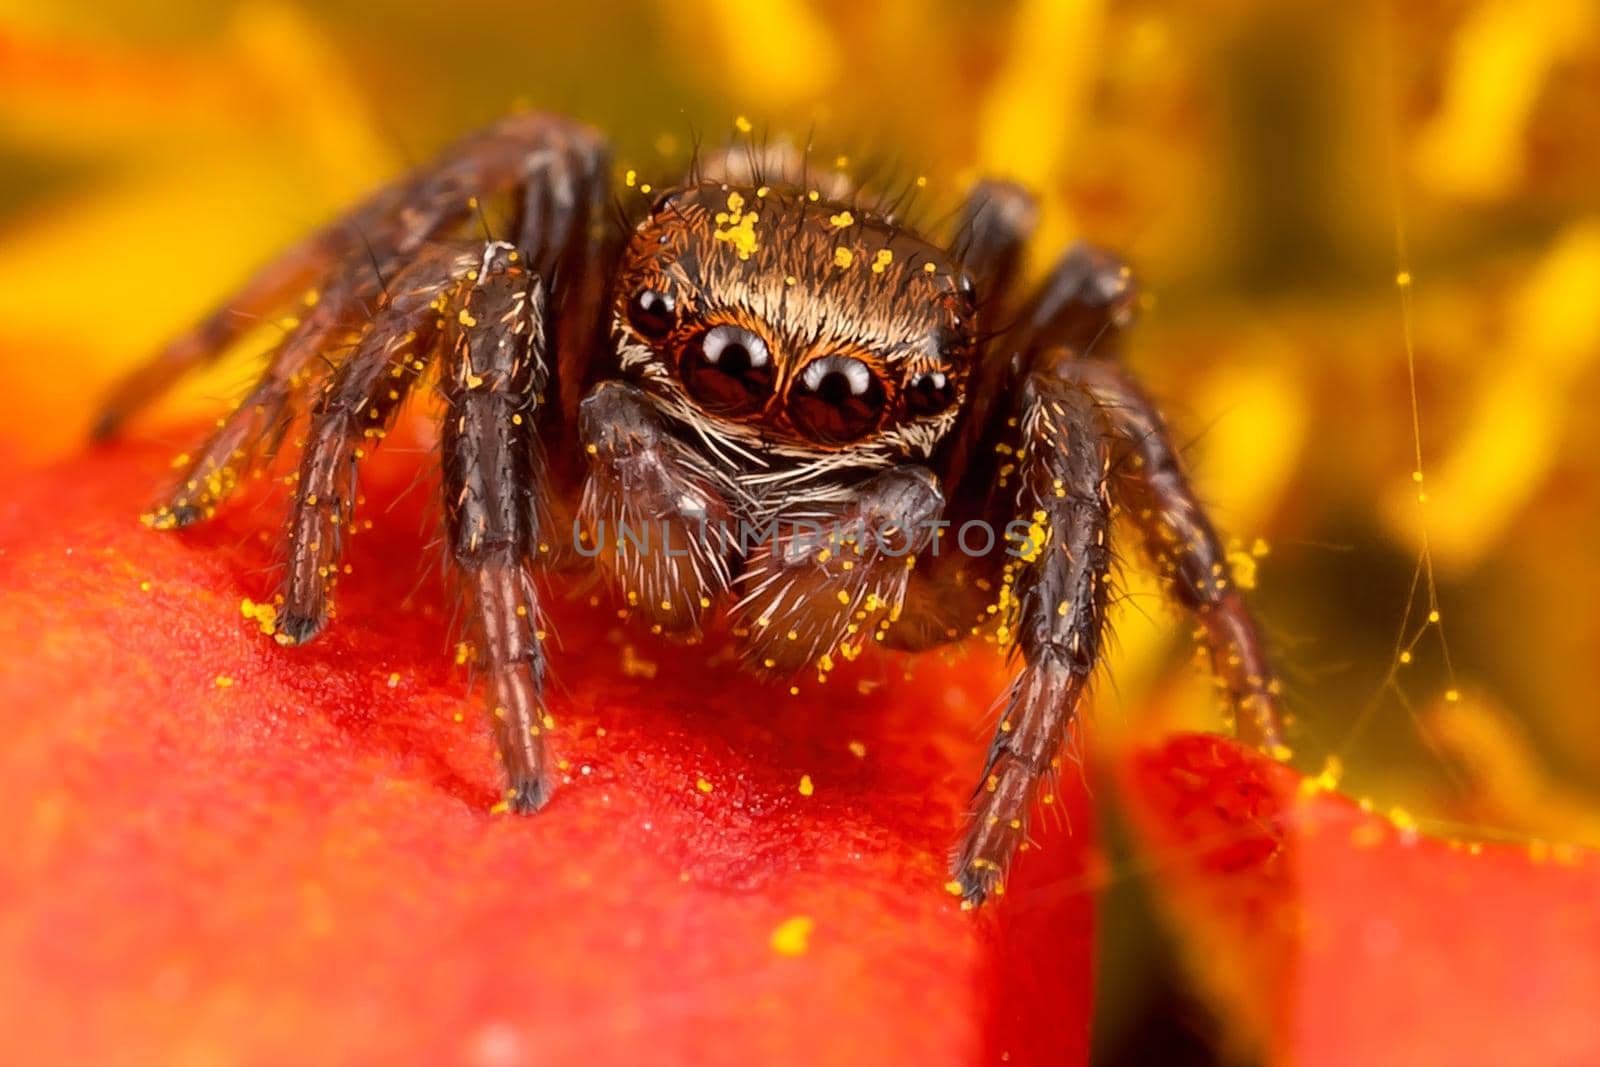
x=991, y=234
x=1150, y=485
x=1054, y=593
x=496, y=370
x=352, y=415
x=272, y=288
x=351, y=257
x=1074, y=327
x=251, y=432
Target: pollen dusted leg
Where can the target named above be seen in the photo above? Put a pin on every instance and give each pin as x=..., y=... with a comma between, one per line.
x=522, y=153
x=351, y=416
x=495, y=372
x=1058, y=583
x=1191, y=559
x=249, y=435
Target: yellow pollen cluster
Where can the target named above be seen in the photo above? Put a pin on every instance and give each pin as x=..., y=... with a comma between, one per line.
x=842, y=219
x=843, y=257
x=1038, y=537
x=737, y=226
x=881, y=260
x=265, y=616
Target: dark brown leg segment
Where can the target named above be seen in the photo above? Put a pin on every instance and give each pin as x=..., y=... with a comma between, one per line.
x=250, y=434
x=1054, y=599
x=1150, y=484
x=991, y=234
x=495, y=374
x=352, y=415
x=521, y=152
x=276, y=286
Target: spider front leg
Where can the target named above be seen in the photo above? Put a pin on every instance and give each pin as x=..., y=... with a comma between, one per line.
x=496, y=370
x=1053, y=601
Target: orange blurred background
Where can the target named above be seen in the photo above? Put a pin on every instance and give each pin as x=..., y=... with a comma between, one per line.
x=1369, y=235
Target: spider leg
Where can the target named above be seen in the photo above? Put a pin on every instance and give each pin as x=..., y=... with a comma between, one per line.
x=272, y=288
x=250, y=434
x=495, y=374
x=517, y=152
x=355, y=410
x=658, y=525
x=1052, y=602
x=824, y=583
x=1193, y=564
x=1071, y=330
x=991, y=233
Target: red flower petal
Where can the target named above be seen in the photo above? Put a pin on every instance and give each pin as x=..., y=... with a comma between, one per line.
x=1335, y=936
x=223, y=850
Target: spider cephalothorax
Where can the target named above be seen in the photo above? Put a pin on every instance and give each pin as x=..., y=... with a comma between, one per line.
x=768, y=399
x=823, y=336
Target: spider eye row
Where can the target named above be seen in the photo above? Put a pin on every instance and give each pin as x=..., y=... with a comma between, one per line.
x=729, y=371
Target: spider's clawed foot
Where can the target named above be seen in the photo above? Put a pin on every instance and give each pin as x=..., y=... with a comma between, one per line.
x=528, y=793
x=298, y=629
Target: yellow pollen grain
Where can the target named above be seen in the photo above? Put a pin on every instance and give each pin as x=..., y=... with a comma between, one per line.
x=842, y=219
x=806, y=788
x=843, y=257
x=465, y=318
x=631, y=178
x=858, y=749
x=792, y=937
x=222, y=681
x=265, y=616
x=703, y=785
x=881, y=260
x=742, y=124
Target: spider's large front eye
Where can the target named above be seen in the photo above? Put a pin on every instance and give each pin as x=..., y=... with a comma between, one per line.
x=653, y=313
x=836, y=399
x=929, y=393
x=728, y=370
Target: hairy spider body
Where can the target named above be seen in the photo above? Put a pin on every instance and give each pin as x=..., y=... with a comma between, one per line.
x=836, y=431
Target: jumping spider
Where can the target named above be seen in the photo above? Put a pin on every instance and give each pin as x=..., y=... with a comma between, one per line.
x=759, y=346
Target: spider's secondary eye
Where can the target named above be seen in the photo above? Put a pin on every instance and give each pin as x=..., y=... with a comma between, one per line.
x=836, y=399
x=728, y=370
x=929, y=393
x=652, y=313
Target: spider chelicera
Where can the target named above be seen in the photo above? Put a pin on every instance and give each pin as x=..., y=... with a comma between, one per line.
x=756, y=346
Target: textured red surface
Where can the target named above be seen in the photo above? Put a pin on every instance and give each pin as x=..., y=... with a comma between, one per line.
x=222, y=851
x=1336, y=937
